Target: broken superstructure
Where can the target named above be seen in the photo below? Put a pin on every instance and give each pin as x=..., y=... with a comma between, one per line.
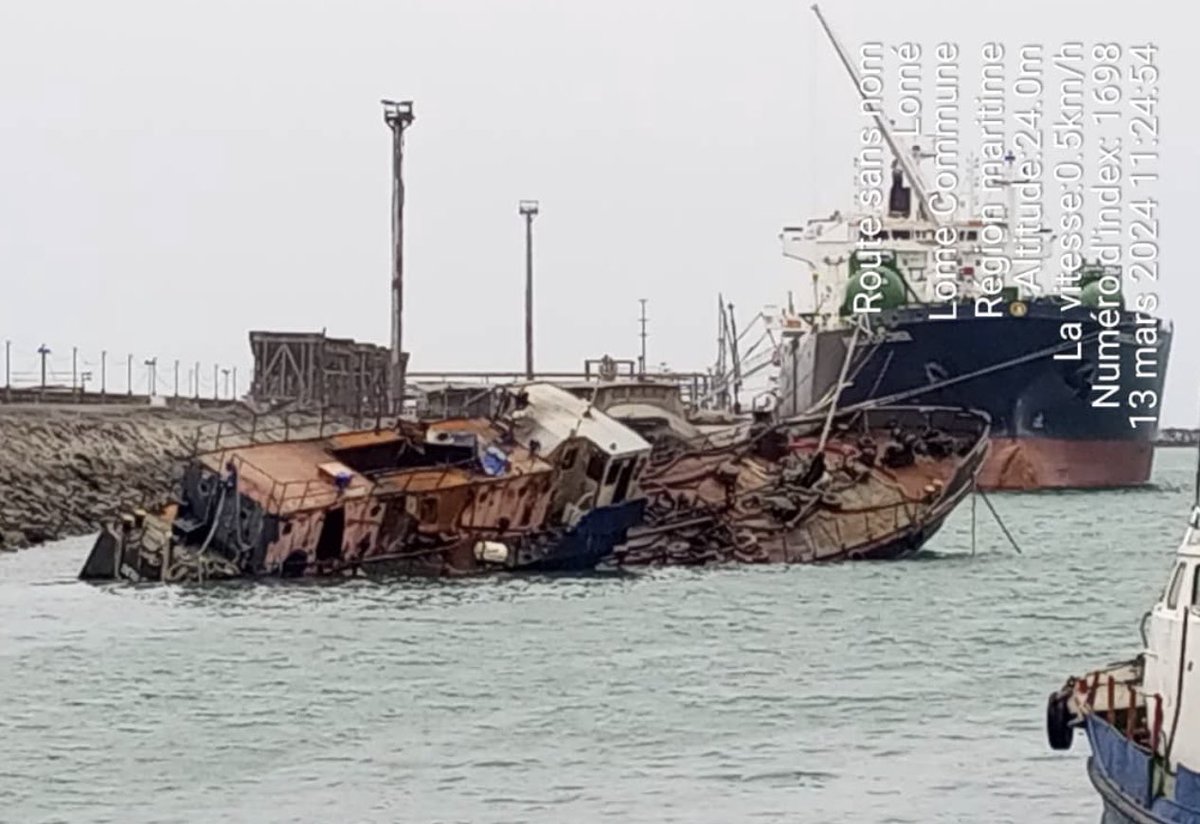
x=878, y=488
x=548, y=484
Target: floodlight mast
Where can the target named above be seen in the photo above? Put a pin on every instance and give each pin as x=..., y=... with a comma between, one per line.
x=398, y=115
x=528, y=209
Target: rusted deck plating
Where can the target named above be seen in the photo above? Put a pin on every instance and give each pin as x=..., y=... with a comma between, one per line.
x=298, y=481
x=735, y=504
x=549, y=481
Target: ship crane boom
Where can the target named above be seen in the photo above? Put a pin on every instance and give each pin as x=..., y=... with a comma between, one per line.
x=904, y=158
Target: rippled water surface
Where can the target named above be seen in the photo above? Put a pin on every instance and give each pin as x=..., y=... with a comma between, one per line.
x=889, y=692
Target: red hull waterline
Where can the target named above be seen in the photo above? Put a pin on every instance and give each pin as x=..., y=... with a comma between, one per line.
x=1052, y=463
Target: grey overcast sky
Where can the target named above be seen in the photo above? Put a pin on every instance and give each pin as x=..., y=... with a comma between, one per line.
x=175, y=173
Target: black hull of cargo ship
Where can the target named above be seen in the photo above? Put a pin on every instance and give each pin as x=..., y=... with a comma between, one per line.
x=1048, y=430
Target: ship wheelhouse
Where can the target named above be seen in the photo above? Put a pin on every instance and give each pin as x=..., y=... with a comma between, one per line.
x=1172, y=634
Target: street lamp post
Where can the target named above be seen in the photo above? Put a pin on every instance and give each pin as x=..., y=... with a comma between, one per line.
x=528, y=209
x=398, y=115
x=151, y=376
x=43, y=350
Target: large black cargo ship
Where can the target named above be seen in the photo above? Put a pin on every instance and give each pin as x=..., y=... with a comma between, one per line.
x=916, y=300
x=1058, y=417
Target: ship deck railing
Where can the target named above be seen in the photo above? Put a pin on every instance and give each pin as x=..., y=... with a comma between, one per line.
x=279, y=497
x=266, y=429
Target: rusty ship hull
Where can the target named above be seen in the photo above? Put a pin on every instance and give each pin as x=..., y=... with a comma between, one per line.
x=459, y=497
x=880, y=488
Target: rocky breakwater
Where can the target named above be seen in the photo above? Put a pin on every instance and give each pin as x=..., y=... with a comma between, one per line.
x=66, y=468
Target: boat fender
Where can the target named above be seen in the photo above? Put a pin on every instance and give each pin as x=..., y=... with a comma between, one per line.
x=1059, y=730
x=491, y=552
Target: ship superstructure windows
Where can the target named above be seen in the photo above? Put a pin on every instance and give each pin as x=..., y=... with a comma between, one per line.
x=596, y=464
x=614, y=469
x=1176, y=584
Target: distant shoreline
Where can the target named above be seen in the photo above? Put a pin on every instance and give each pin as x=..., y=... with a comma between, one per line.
x=1176, y=436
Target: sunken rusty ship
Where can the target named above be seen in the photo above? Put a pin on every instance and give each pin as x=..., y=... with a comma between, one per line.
x=547, y=478
x=878, y=488
x=867, y=484
x=546, y=484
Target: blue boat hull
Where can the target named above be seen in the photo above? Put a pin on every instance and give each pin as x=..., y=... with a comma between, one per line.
x=1118, y=808
x=593, y=538
x=1129, y=782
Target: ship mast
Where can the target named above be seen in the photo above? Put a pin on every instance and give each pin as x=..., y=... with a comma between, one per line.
x=911, y=171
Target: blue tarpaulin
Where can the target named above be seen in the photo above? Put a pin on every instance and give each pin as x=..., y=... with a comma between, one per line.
x=1123, y=762
x=494, y=461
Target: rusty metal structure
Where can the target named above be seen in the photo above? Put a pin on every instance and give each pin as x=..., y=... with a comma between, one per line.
x=456, y=393
x=314, y=370
x=549, y=484
x=878, y=489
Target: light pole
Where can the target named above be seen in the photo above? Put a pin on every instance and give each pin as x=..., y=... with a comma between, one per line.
x=151, y=376
x=43, y=350
x=398, y=115
x=129, y=375
x=528, y=208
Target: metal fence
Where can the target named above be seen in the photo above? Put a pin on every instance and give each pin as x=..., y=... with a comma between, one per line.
x=44, y=370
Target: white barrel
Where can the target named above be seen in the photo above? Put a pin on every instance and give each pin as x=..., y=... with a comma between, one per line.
x=491, y=552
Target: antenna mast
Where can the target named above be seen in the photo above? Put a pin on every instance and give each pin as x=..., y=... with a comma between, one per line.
x=911, y=171
x=642, y=335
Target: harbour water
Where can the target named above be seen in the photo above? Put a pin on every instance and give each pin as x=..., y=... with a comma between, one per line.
x=910, y=691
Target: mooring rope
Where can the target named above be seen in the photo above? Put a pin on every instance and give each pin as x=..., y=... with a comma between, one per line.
x=1000, y=522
